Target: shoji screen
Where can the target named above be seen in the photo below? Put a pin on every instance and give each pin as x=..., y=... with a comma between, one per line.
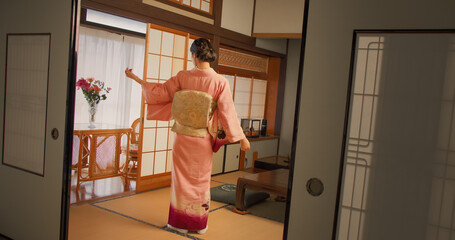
x=166, y=55
x=249, y=96
x=231, y=80
x=202, y=5
x=258, y=96
x=242, y=96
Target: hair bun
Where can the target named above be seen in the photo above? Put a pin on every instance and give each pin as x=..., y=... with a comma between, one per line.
x=203, y=50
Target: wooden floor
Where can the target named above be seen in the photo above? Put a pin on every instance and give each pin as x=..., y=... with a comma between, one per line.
x=144, y=216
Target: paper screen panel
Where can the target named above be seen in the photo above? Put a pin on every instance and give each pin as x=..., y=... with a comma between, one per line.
x=179, y=46
x=169, y=161
x=165, y=68
x=162, y=123
x=177, y=66
x=170, y=143
x=161, y=138
x=160, y=162
x=258, y=98
x=147, y=164
x=167, y=45
x=205, y=6
x=190, y=42
x=257, y=112
x=231, y=80
x=148, y=140
x=196, y=4
x=154, y=41
x=187, y=2
x=153, y=66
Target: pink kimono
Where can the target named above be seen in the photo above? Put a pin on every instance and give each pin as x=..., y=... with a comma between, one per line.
x=192, y=156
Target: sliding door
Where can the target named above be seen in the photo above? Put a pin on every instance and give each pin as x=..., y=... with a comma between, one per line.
x=167, y=53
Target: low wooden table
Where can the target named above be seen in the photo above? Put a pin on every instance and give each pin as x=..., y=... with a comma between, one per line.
x=275, y=182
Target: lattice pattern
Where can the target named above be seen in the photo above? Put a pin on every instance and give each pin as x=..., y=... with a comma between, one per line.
x=202, y=5
x=249, y=96
x=167, y=54
x=240, y=60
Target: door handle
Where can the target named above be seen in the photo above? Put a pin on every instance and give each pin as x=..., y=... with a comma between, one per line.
x=54, y=133
x=315, y=186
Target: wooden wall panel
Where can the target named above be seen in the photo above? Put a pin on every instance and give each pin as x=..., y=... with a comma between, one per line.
x=272, y=93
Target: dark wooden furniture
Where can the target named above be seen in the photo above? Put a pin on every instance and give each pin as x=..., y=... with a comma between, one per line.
x=274, y=182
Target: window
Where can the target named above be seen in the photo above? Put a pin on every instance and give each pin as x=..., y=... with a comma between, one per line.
x=202, y=5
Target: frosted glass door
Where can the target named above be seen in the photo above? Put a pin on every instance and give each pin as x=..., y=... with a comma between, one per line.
x=166, y=55
x=399, y=178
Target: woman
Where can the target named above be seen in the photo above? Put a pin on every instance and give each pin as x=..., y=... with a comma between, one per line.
x=192, y=156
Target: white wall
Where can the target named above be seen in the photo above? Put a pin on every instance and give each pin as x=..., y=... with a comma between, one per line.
x=290, y=91
x=284, y=16
x=237, y=16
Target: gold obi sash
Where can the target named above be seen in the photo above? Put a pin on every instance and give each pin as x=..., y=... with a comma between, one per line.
x=192, y=111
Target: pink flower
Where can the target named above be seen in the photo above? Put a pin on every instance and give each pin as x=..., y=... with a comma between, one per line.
x=82, y=83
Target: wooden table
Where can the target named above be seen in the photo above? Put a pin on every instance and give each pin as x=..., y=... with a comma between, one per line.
x=275, y=182
x=98, y=151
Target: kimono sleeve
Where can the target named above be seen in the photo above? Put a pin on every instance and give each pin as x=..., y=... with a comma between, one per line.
x=227, y=114
x=158, y=97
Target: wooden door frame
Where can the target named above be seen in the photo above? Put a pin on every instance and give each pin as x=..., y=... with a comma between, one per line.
x=69, y=124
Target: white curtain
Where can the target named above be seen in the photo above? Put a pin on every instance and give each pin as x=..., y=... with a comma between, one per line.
x=105, y=56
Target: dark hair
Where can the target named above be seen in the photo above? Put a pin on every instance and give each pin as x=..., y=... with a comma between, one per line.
x=203, y=50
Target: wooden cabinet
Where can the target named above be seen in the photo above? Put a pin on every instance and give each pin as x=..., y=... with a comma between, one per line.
x=232, y=157
x=218, y=161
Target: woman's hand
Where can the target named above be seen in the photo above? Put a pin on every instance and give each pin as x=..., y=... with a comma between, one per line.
x=244, y=144
x=130, y=74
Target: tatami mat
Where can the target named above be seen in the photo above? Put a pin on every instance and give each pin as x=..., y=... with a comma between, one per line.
x=230, y=177
x=143, y=216
x=151, y=207
x=89, y=222
x=224, y=224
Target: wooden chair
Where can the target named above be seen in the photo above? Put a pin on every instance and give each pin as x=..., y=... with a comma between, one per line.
x=130, y=167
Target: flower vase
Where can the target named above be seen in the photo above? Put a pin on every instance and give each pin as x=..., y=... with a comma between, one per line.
x=91, y=114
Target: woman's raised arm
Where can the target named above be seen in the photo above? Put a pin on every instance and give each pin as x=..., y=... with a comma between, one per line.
x=131, y=75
